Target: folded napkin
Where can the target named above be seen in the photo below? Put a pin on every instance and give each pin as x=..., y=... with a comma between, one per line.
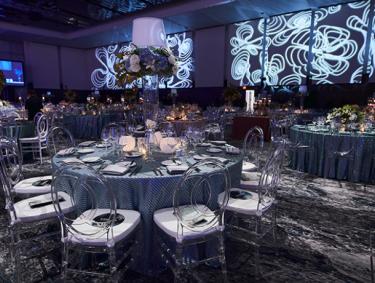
x=157, y=138
x=232, y=149
x=67, y=151
x=115, y=169
x=72, y=160
x=177, y=169
x=86, y=143
x=169, y=145
x=248, y=166
x=128, y=142
x=220, y=159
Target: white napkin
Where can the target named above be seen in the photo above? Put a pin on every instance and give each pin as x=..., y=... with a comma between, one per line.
x=177, y=169
x=248, y=166
x=115, y=169
x=232, y=149
x=169, y=145
x=65, y=152
x=128, y=142
x=157, y=138
x=72, y=160
x=220, y=159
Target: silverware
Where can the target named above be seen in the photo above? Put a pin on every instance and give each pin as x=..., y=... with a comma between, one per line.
x=161, y=173
x=155, y=172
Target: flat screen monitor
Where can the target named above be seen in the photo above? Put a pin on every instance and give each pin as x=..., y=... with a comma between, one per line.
x=13, y=72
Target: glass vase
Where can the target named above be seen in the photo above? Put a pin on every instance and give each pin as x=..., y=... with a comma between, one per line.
x=150, y=96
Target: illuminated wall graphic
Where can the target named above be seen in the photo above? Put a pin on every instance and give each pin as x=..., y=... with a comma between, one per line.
x=182, y=46
x=287, y=53
x=338, y=47
x=246, y=49
x=339, y=44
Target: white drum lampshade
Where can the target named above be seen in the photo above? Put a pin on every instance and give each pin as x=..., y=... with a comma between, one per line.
x=149, y=32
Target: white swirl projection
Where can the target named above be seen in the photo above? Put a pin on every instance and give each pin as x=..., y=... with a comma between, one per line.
x=247, y=45
x=287, y=54
x=339, y=44
x=338, y=47
x=181, y=44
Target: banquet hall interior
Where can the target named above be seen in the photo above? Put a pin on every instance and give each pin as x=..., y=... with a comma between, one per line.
x=187, y=141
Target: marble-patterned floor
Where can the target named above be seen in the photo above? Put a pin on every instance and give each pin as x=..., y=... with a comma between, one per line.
x=323, y=236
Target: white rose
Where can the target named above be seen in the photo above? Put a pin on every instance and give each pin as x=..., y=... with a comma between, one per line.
x=135, y=68
x=353, y=117
x=134, y=59
x=172, y=60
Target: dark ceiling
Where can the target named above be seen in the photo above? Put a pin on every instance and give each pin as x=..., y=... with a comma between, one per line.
x=92, y=23
x=70, y=15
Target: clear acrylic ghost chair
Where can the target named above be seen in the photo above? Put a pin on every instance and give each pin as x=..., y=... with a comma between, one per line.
x=255, y=209
x=252, y=150
x=372, y=255
x=59, y=138
x=39, y=142
x=336, y=152
x=32, y=223
x=22, y=187
x=195, y=218
x=96, y=227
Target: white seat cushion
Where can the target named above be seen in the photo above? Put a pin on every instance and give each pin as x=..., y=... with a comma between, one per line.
x=248, y=166
x=88, y=234
x=167, y=221
x=31, y=139
x=26, y=186
x=249, y=180
x=247, y=206
x=26, y=213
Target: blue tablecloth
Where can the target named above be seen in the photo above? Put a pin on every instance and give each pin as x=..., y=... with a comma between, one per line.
x=314, y=160
x=147, y=193
x=23, y=129
x=90, y=126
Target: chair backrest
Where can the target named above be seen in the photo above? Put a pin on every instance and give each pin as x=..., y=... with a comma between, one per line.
x=11, y=160
x=88, y=191
x=36, y=118
x=270, y=177
x=10, y=173
x=253, y=145
x=195, y=197
x=59, y=138
x=42, y=127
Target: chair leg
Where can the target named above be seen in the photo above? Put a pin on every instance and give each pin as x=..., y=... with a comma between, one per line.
x=179, y=257
x=112, y=264
x=258, y=230
x=40, y=154
x=223, y=262
x=65, y=262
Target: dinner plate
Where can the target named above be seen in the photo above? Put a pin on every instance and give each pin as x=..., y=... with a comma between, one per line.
x=201, y=156
x=86, y=143
x=133, y=154
x=214, y=150
x=91, y=159
x=219, y=142
x=171, y=162
x=204, y=144
x=85, y=150
x=103, y=145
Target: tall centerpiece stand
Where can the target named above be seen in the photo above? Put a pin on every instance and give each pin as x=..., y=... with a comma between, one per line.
x=148, y=58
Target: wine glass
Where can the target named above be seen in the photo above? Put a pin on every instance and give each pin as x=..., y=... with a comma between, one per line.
x=105, y=136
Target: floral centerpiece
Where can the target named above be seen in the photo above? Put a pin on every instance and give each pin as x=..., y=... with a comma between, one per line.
x=2, y=81
x=348, y=114
x=139, y=62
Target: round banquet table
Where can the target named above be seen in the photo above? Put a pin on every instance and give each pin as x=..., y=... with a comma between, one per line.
x=314, y=160
x=146, y=193
x=90, y=126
